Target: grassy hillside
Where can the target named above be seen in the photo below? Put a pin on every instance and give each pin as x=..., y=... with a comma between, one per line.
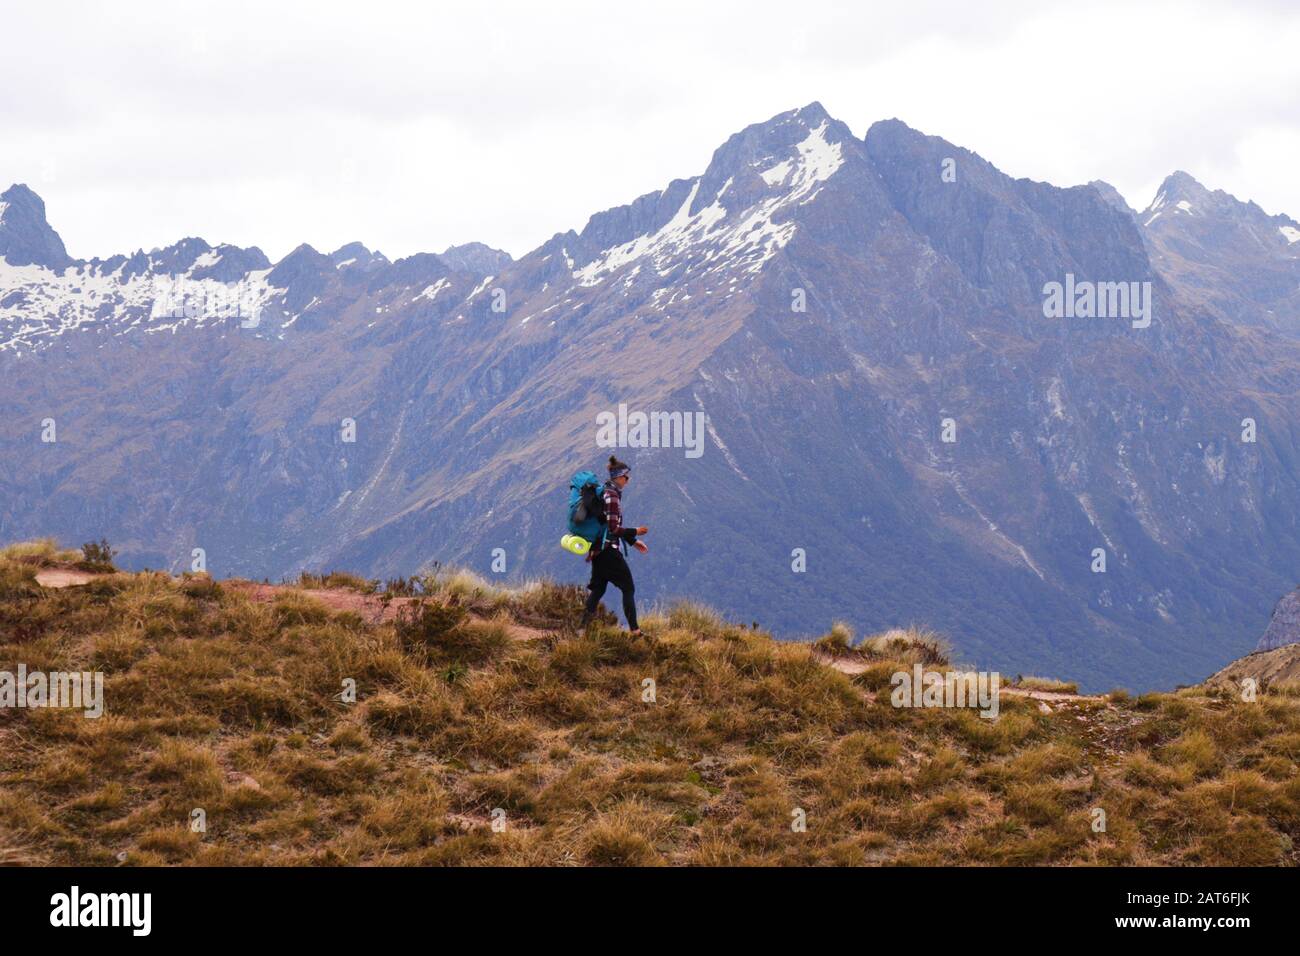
x=229, y=698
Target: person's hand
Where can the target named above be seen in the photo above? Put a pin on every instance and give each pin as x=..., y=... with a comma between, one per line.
x=642, y=530
x=640, y=546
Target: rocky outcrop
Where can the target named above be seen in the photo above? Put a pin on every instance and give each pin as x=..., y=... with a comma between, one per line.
x=1284, y=626
x=475, y=257
x=25, y=237
x=1268, y=669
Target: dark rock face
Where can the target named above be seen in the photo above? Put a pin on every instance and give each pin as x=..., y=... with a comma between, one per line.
x=1113, y=197
x=356, y=255
x=862, y=324
x=305, y=273
x=231, y=263
x=25, y=237
x=1284, y=626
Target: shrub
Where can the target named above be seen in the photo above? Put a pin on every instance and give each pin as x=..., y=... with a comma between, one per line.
x=97, y=556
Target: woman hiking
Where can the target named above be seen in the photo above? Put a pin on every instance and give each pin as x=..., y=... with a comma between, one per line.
x=608, y=566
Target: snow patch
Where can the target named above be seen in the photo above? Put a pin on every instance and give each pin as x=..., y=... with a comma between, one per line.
x=776, y=175
x=43, y=304
x=479, y=288
x=430, y=292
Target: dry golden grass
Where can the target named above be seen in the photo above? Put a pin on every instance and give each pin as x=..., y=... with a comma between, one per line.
x=43, y=552
x=337, y=579
x=1049, y=684
x=699, y=742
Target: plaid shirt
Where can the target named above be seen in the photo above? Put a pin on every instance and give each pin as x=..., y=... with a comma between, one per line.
x=615, y=533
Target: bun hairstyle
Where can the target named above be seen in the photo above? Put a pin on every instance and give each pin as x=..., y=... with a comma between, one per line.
x=617, y=468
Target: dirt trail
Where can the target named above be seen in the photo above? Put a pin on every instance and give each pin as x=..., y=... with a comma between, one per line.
x=1049, y=695
x=369, y=606
x=64, y=577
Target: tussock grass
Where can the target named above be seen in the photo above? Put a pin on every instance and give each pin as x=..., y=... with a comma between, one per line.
x=40, y=553
x=1048, y=684
x=466, y=589
x=911, y=645
x=310, y=737
x=836, y=642
x=694, y=617
x=18, y=582
x=337, y=579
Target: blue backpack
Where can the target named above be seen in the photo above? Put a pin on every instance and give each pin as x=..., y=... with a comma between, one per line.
x=586, y=506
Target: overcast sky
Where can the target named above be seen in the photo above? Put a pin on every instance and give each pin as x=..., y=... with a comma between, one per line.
x=412, y=126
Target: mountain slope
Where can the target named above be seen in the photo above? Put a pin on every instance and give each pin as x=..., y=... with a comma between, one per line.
x=485, y=730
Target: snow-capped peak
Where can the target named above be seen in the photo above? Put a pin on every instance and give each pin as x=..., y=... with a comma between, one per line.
x=742, y=234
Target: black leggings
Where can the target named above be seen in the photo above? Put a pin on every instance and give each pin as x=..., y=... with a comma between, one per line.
x=610, y=567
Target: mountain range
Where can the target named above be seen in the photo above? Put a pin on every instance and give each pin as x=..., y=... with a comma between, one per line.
x=895, y=429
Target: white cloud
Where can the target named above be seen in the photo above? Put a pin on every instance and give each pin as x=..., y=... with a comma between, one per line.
x=414, y=126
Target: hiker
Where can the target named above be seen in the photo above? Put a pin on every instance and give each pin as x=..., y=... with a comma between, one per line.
x=608, y=566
